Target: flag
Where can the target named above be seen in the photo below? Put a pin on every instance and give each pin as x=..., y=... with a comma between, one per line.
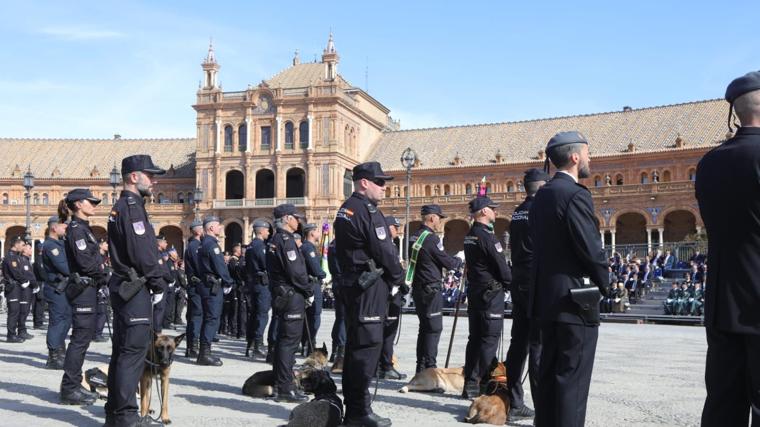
x=325, y=244
x=482, y=189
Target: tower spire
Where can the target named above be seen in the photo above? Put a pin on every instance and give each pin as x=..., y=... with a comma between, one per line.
x=296, y=58
x=210, y=69
x=330, y=59
x=210, y=57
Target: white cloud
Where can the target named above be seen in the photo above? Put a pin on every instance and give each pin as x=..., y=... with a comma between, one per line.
x=75, y=33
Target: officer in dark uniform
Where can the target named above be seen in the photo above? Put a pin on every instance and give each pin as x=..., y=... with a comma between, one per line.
x=488, y=275
x=291, y=292
x=429, y=260
x=309, y=251
x=30, y=286
x=194, y=313
x=569, y=273
x=101, y=313
x=237, y=309
x=161, y=307
x=56, y=269
x=362, y=238
x=216, y=282
x=338, y=333
x=13, y=272
x=258, y=288
x=525, y=336
x=83, y=256
x=726, y=190
x=39, y=306
x=136, y=272
x=393, y=319
x=170, y=296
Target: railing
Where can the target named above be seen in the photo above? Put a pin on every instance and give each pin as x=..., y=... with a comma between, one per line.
x=233, y=96
x=682, y=250
x=257, y=203
x=296, y=91
x=457, y=198
x=660, y=187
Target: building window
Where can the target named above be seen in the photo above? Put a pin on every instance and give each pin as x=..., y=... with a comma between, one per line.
x=619, y=180
x=104, y=198
x=45, y=199
x=644, y=178
x=228, y=139
x=36, y=199
x=303, y=134
x=348, y=184
x=242, y=137
x=447, y=190
x=181, y=198
x=520, y=186
x=692, y=174
x=597, y=181
x=510, y=187
x=397, y=191
x=288, y=135
x=468, y=189
x=388, y=192
x=266, y=137
x=666, y=176
x=428, y=191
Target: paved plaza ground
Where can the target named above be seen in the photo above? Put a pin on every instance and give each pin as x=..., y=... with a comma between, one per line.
x=644, y=375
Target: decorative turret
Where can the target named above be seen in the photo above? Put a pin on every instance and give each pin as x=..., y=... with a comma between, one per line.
x=210, y=69
x=330, y=59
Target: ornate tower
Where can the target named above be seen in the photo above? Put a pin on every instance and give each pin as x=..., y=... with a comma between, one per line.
x=330, y=59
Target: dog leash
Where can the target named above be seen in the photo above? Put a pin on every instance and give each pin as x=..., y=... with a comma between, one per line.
x=154, y=370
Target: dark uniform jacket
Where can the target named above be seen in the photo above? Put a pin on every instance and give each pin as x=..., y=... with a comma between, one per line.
x=521, y=245
x=485, y=258
x=567, y=248
x=211, y=261
x=728, y=192
x=54, y=261
x=286, y=265
x=13, y=270
x=313, y=266
x=256, y=262
x=83, y=252
x=332, y=265
x=191, y=257
x=431, y=259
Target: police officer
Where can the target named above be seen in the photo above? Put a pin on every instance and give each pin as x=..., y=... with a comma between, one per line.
x=38, y=302
x=338, y=333
x=726, y=190
x=83, y=256
x=362, y=238
x=194, y=313
x=238, y=310
x=27, y=291
x=525, y=336
x=136, y=272
x=13, y=272
x=101, y=315
x=487, y=275
x=292, y=291
x=313, y=321
x=258, y=288
x=570, y=275
x=160, y=308
x=427, y=261
x=392, y=320
x=56, y=269
x=216, y=282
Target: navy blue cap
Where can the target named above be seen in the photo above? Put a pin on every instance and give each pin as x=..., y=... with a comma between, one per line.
x=54, y=220
x=16, y=239
x=211, y=218
x=481, y=202
x=565, y=138
x=260, y=223
x=369, y=170
x=309, y=227
x=392, y=220
x=286, y=209
x=296, y=236
x=432, y=209
x=196, y=223
x=78, y=194
x=160, y=236
x=746, y=83
x=140, y=163
x=534, y=175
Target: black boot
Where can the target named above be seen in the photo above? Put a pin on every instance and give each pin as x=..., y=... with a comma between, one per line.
x=192, y=349
x=77, y=397
x=270, y=355
x=258, y=350
x=205, y=357
x=471, y=390
x=14, y=339
x=54, y=360
x=371, y=420
x=337, y=367
x=292, y=396
x=25, y=335
x=390, y=374
x=332, y=354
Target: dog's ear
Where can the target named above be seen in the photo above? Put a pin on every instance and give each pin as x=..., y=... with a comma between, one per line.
x=324, y=347
x=178, y=339
x=155, y=336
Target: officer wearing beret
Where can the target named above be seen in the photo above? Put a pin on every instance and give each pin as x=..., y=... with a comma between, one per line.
x=84, y=258
x=258, y=288
x=525, y=336
x=488, y=275
x=212, y=269
x=14, y=276
x=395, y=304
x=56, y=272
x=427, y=261
x=569, y=272
x=194, y=315
x=133, y=248
x=309, y=251
x=291, y=292
x=361, y=236
x=729, y=202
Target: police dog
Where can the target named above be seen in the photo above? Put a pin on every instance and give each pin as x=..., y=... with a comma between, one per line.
x=437, y=380
x=158, y=363
x=261, y=384
x=492, y=407
x=325, y=410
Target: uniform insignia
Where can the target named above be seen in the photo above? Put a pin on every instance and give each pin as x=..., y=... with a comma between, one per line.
x=371, y=208
x=26, y=268
x=92, y=238
x=216, y=250
x=312, y=254
x=54, y=251
x=344, y=213
x=160, y=262
x=292, y=255
x=13, y=263
x=380, y=232
x=440, y=245
x=139, y=228
x=498, y=247
x=131, y=200
x=112, y=216
x=81, y=244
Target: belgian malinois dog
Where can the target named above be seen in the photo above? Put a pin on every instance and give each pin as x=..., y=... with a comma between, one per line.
x=492, y=407
x=437, y=380
x=261, y=384
x=158, y=363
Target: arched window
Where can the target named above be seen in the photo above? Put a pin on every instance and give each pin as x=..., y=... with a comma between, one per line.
x=387, y=191
x=520, y=186
x=666, y=176
x=288, y=135
x=160, y=197
x=510, y=187
x=113, y=198
x=266, y=137
x=692, y=174
x=45, y=199
x=396, y=191
x=619, y=179
x=428, y=190
x=447, y=190
x=436, y=190
x=36, y=199
x=468, y=189
x=405, y=191
x=242, y=136
x=181, y=198
x=597, y=181
x=104, y=198
x=303, y=134
x=644, y=178
x=228, y=139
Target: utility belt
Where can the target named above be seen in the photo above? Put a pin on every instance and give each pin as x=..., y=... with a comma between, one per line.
x=491, y=290
x=262, y=278
x=60, y=283
x=427, y=291
x=281, y=297
x=214, y=283
x=77, y=284
x=129, y=288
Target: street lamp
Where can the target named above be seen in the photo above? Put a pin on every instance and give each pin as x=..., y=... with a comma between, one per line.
x=115, y=178
x=28, y=185
x=408, y=159
x=197, y=197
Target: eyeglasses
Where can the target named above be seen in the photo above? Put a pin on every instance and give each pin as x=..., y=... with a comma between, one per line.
x=379, y=182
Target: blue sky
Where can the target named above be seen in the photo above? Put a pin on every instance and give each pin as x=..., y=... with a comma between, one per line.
x=92, y=69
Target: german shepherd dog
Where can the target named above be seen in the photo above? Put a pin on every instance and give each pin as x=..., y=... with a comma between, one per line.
x=492, y=407
x=261, y=384
x=158, y=363
x=436, y=380
x=325, y=410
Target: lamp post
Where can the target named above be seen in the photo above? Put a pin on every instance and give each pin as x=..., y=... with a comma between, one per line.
x=28, y=185
x=115, y=179
x=197, y=197
x=408, y=158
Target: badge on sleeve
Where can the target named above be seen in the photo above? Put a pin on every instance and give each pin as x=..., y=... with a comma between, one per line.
x=292, y=255
x=13, y=263
x=26, y=268
x=380, y=232
x=82, y=245
x=216, y=250
x=139, y=228
x=312, y=254
x=498, y=247
x=54, y=251
x=440, y=245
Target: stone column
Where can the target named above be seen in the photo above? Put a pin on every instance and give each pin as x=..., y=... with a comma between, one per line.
x=662, y=237
x=603, y=232
x=649, y=240
x=217, y=142
x=310, y=119
x=401, y=245
x=612, y=241
x=246, y=230
x=278, y=145
x=248, y=148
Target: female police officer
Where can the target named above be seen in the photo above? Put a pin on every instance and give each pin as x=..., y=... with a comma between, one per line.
x=85, y=261
x=56, y=276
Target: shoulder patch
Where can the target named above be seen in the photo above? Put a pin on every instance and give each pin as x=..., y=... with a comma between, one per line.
x=371, y=208
x=14, y=264
x=216, y=250
x=440, y=245
x=160, y=261
x=498, y=247
x=112, y=216
x=131, y=200
x=291, y=255
x=81, y=244
x=54, y=251
x=312, y=254
x=139, y=228
x=380, y=232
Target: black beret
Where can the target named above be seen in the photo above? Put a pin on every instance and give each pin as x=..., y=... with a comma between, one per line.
x=286, y=209
x=160, y=236
x=392, y=220
x=78, y=194
x=534, y=174
x=746, y=83
x=211, y=218
x=481, y=202
x=432, y=209
x=369, y=170
x=565, y=138
x=140, y=163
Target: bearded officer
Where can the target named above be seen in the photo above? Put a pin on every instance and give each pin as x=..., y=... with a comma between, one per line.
x=362, y=239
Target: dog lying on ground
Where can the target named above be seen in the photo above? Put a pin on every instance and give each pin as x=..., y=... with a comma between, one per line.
x=261, y=384
x=437, y=380
x=492, y=407
x=158, y=363
x=325, y=410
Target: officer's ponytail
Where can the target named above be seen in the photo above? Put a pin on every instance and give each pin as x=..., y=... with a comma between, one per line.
x=65, y=211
